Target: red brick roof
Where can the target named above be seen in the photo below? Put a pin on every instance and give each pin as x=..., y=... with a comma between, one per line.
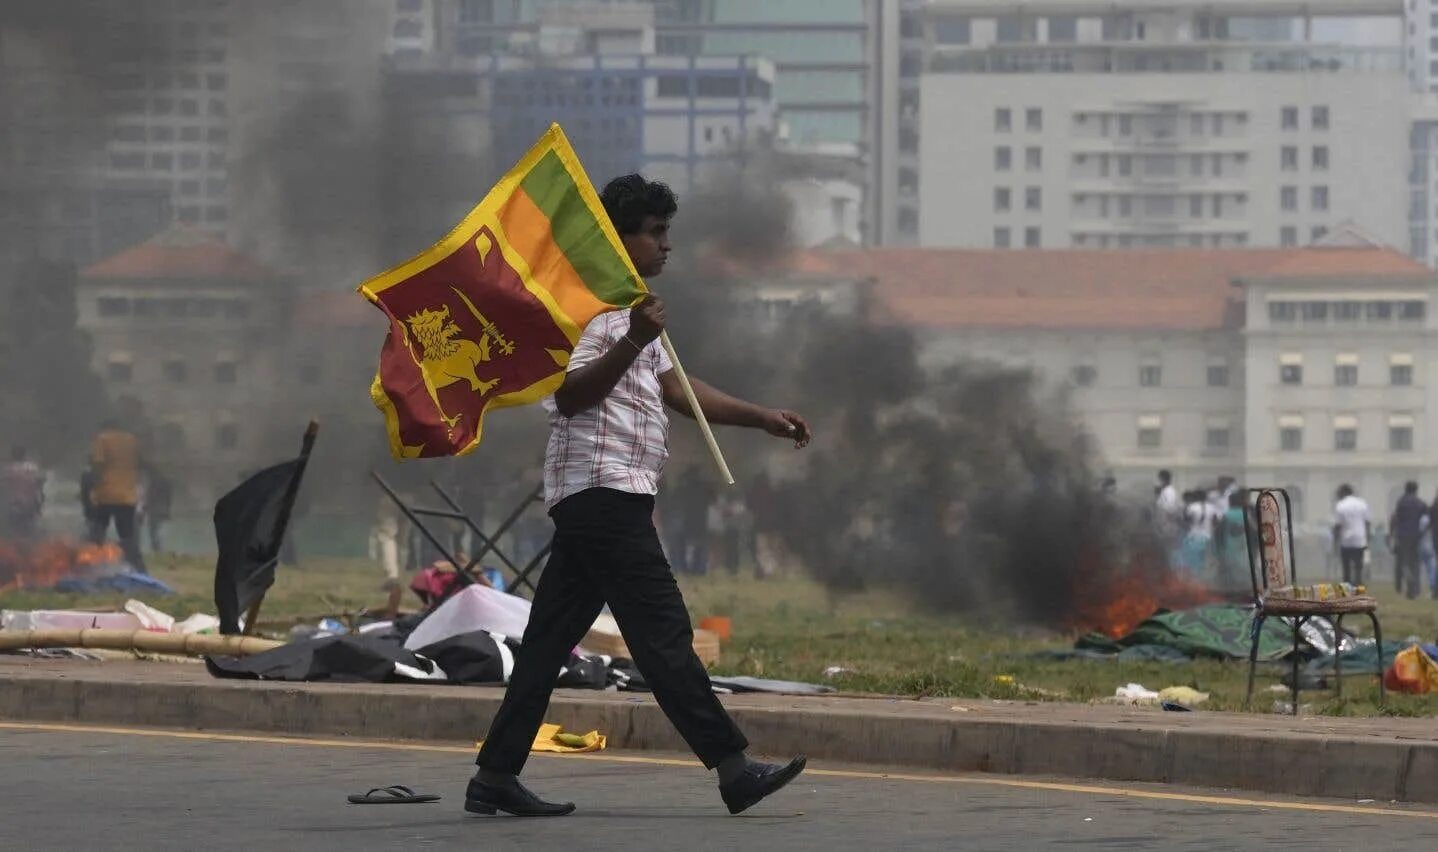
x=1177, y=289
x=179, y=254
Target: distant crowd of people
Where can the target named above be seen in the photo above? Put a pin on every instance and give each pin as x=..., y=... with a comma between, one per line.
x=1204, y=531
x=117, y=488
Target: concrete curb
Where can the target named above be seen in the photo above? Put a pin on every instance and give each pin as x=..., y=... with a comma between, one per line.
x=1355, y=763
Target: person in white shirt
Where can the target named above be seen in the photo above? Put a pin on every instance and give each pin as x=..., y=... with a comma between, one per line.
x=607, y=445
x=1168, y=509
x=1352, y=527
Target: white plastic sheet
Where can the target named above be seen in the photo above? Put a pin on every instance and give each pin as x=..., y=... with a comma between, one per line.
x=474, y=607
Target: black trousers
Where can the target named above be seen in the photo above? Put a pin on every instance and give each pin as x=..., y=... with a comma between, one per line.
x=1405, y=566
x=1353, y=564
x=124, y=518
x=606, y=549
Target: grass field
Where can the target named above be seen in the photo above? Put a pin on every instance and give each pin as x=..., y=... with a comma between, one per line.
x=791, y=628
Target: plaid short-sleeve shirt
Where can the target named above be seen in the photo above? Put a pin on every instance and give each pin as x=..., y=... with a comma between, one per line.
x=621, y=443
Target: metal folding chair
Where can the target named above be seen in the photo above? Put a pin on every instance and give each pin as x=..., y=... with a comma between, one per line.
x=1268, y=528
x=488, y=543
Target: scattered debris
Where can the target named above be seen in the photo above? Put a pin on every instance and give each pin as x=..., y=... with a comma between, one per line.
x=836, y=671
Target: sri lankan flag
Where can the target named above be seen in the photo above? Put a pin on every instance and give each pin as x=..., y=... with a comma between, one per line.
x=487, y=317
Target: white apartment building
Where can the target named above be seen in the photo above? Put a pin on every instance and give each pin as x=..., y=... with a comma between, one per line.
x=1304, y=368
x=1421, y=44
x=1077, y=123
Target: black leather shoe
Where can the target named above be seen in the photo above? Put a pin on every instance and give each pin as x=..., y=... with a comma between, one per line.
x=512, y=798
x=758, y=781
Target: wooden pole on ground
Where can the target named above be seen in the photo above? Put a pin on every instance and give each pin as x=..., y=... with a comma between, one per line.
x=698, y=412
x=194, y=644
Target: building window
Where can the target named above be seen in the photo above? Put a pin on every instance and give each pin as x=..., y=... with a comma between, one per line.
x=1002, y=199
x=1216, y=437
x=1150, y=375
x=1347, y=311
x=1125, y=206
x=1289, y=158
x=1003, y=120
x=1032, y=238
x=1379, y=310
x=1195, y=206
x=1320, y=158
x=1125, y=165
x=1319, y=198
x=1001, y=237
x=1400, y=435
x=1282, y=311
x=119, y=371
x=1345, y=375
x=1314, y=311
x=1125, y=125
x=1412, y=310
x=1218, y=375
x=1003, y=158
x=1033, y=198
x=1320, y=118
x=1345, y=434
x=1084, y=375
x=1290, y=369
x=1033, y=119
x=1400, y=370
x=226, y=372
x=113, y=306
x=227, y=436
x=1150, y=432
x=1290, y=438
x=1290, y=118
x=176, y=371
x=1288, y=236
x=1288, y=198
x=1034, y=159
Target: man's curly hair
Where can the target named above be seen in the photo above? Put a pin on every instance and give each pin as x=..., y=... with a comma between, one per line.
x=630, y=198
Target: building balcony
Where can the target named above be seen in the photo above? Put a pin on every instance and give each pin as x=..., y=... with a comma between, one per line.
x=1175, y=58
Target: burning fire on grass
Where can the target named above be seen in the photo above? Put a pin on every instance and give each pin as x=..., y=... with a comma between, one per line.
x=1115, y=601
x=41, y=564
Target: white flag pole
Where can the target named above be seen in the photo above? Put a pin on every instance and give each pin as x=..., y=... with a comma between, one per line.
x=694, y=407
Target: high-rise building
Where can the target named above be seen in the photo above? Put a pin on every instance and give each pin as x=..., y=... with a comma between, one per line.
x=1091, y=124
x=828, y=58
x=485, y=93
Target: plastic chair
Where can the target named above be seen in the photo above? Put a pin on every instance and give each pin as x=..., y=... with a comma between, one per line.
x=1268, y=528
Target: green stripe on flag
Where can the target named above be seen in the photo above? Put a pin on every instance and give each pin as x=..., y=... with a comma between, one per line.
x=578, y=235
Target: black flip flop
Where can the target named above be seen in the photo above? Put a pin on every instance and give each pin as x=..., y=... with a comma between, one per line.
x=397, y=794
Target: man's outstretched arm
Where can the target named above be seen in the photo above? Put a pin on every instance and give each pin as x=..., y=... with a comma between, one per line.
x=725, y=410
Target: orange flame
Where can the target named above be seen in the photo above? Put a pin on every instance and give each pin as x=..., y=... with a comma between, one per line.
x=42, y=564
x=1114, y=599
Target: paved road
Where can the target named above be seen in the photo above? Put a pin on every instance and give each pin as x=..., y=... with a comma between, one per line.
x=116, y=789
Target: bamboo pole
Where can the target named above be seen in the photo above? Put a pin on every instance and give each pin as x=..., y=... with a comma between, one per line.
x=694, y=406
x=192, y=644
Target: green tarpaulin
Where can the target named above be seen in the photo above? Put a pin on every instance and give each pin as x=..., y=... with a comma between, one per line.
x=1216, y=630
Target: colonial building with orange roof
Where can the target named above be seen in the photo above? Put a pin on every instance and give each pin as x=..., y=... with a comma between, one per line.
x=1301, y=367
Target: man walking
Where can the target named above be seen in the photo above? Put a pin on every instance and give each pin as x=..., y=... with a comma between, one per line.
x=115, y=459
x=607, y=445
x=22, y=491
x=1352, y=525
x=1406, y=528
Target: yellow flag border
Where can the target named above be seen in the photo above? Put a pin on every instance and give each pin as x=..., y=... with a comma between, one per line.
x=485, y=213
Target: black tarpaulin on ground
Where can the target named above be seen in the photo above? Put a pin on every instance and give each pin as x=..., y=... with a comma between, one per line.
x=477, y=657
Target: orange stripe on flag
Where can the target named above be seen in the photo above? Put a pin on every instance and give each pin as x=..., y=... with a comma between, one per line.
x=527, y=231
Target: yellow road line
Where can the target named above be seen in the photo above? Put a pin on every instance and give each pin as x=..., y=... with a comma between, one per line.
x=982, y=780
